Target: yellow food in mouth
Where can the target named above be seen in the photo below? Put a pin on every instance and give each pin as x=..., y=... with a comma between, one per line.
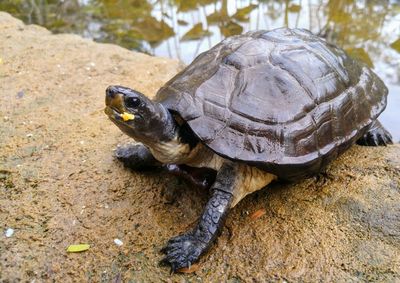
x=126, y=116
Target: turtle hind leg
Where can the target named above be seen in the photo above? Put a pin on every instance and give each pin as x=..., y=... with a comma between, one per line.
x=375, y=136
x=200, y=177
x=136, y=157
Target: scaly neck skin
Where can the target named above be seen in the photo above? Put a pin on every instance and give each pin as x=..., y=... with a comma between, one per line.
x=165, y=142
x=173, y=151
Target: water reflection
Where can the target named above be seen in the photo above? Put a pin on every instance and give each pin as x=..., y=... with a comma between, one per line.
x=368, y=29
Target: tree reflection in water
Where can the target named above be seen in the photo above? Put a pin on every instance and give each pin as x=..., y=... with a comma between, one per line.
x=367, y=30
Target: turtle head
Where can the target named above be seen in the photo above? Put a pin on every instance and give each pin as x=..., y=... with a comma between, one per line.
x=138, y=116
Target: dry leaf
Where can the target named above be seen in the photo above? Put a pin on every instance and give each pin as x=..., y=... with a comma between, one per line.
x=258, y=213
x=78, y=248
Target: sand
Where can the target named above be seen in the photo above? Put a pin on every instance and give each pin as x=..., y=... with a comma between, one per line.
x=60, y=185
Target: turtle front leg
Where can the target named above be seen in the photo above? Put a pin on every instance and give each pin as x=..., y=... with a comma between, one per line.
x=136, y=157
x=186, y=249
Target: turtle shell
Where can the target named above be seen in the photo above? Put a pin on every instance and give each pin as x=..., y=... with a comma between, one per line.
x=284, y=100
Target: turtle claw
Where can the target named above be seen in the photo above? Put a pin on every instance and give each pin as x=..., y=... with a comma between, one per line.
x=380, y=137
x=182, y=251
x=376, y=136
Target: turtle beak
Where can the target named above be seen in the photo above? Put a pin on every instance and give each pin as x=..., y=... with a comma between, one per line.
x=115, y=99
x=115, y=107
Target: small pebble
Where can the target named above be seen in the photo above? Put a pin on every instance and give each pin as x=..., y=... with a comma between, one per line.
x=20, y=94
x=9, y=232
x=6, y=118
x=29, y=135
x=118, y=242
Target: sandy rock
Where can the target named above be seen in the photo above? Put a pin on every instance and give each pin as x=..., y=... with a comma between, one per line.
x=60, y=186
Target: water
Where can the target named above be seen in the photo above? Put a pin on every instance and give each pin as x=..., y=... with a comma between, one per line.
x=368, y=30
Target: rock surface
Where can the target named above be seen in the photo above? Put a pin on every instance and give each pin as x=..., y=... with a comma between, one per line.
x=59, y=185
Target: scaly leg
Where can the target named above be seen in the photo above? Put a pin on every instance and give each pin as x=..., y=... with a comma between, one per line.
x=199, y=177
x=184, y=250
x=137, y=157
x=375, y=136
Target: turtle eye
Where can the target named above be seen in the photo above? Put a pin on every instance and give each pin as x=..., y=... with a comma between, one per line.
x=132, y=102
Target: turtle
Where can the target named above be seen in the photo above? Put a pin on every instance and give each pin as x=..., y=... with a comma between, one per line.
x=255, y=108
